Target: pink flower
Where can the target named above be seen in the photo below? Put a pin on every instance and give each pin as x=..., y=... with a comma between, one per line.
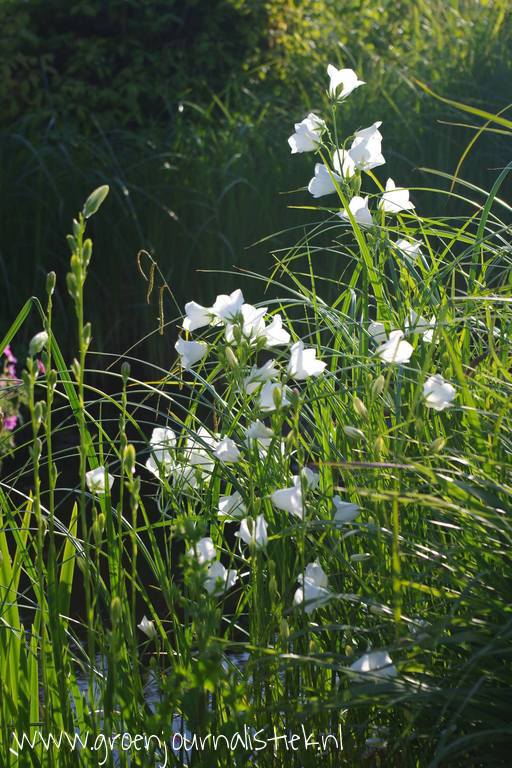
x=10, y=422
x=9, y=355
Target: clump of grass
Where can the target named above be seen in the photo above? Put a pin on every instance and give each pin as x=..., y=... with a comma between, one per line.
x=310, y=508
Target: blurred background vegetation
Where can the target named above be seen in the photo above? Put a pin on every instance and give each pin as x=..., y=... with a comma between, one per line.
x=184, y=109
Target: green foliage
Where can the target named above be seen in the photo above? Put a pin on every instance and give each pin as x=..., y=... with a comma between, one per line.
x=126, y=60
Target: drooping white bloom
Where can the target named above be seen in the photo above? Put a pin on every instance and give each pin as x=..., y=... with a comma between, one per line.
x=376, y=663
x=253, y=532
x=199, y=449
x=203, y=550
x=303, y=362
x=344, y=511
x=417, y=324
x=162, y=441
x=190, y=352
x=196, y=316
x=395, y=349
x=395, y=199
x=274, y=333
x=38, y=343
x=95, y=479
x=310, y=478
x=252, y=323
x=161, y=468
x=378, y=332
x=257, y=433
x=148, y=627
x=438, y=393
x=185, y=476
x=359, y=209
x=290, y=499
x=314, y=591
x=228, y=307
x=410, y=249
x=273, y=396
x=231, y=506
x=227, y=451
x=366, y=150
x=342, y=82
x=259, y=376
x=308, y=134
x=219, y=579
x=343, y=163
x=322, y=182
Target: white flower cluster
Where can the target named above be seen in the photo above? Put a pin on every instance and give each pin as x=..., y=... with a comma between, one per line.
x=243, y=331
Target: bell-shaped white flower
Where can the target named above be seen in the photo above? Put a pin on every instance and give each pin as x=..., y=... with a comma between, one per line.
x=273, y=396
x=161, y=468
x=359, y=209
x=342, y=82
x=322, y=182
x=227, y=451
x=303, y=362
x=314, y=591
x=395, y=349
x=219, y=579
x=95, y=479
x=343, y=163
x=308, y=134
x=310, y=478
x=258, y=434
x=365, y=149
x=344, y=511
x=148, y=627
x=227, y=307
x=190, y=352
x=417, y=324
x=203, y=550
x=410, y=249
x=395, y=199
x=378, y=332
x=231, y=506
x=438, y=393
x=185, y=476
x=274, y=333
x=375, y=663
x=252, y=324
x=162, y=442
x=254, y=532
x=196, y=316
x=290, y=499
x=199, y=449
x=259, y=376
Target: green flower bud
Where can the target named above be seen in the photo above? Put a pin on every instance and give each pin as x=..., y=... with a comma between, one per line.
x=94, y=201
x=378, y=385
x=360, y=407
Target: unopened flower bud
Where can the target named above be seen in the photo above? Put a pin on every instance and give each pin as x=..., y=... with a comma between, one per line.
x=116, y=611
x=125, y=372
x=379, y=446
x=231, y=358
x=51, y=279
x=437, y=445
x=37, y=343
x=353, y=432
x=378, y=385
x=129, y=457
x=359, y=407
